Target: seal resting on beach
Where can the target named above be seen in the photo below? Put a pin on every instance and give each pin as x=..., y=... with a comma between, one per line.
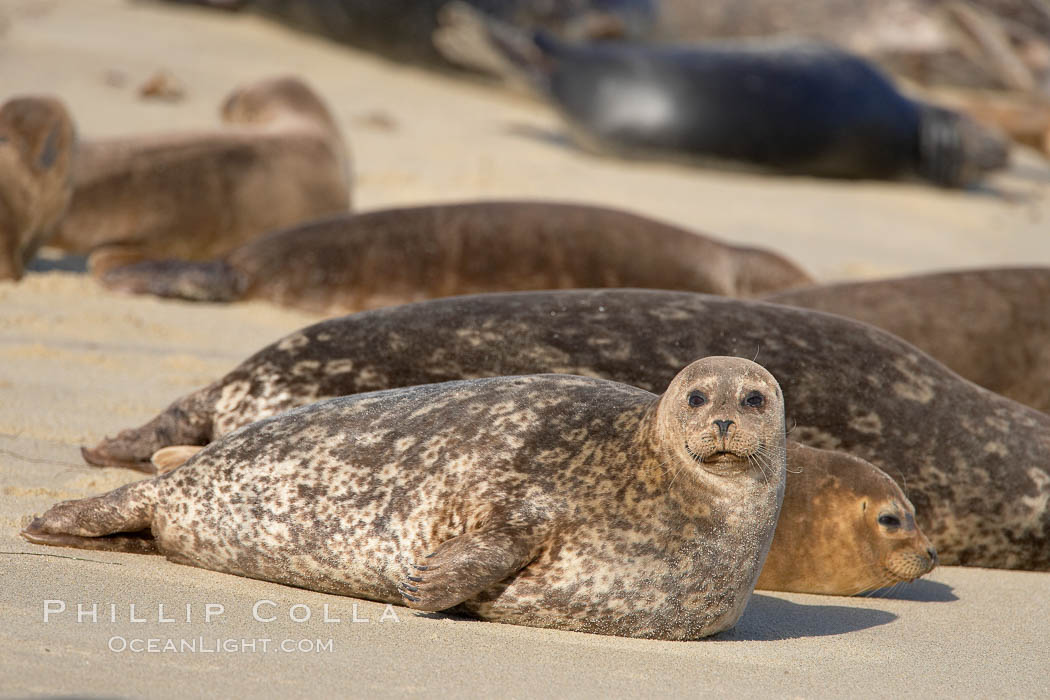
x=550, y=501
x=785, y=106
x=278, y=160
x=849, y=386
x=394, y=256
x=37, y=138
x=991, y=325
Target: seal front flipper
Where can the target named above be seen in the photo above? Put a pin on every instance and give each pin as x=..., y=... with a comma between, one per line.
x=118, y=521
x=464, y=566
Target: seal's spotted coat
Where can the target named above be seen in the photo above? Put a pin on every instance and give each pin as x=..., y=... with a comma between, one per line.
x=551, y=501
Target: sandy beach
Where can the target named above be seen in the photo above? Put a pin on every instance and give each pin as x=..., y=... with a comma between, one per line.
x=78, y=363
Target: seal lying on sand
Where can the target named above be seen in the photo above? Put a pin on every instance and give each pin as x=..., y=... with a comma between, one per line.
x=36, y=146
x=549, y=501
x=395, y=256
x=789, y=107
x=279, y=161
x=991, y=326
x=849, y=386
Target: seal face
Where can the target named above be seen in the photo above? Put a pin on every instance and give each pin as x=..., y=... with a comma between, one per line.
x=37, y=138
x=386, y=257
x=846, y=528
x=278, y=160
x=849, y=386
x=550, y=501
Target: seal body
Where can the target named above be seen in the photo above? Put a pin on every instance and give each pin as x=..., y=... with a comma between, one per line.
x=1001, y=343
x=279, y=160
x=849, y=387
x=394, y=256
x=791, y=107
x=549, y=501
x=37, y=138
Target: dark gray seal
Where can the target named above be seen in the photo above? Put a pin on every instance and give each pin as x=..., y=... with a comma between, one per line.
x=991, y=326
x=791, y=107
x=549, y=501
x=975, y=463
x=395, y=256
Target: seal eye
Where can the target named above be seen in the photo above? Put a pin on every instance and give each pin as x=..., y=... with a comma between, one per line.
x=754, y=399
x=696, y=399
x=889, y=520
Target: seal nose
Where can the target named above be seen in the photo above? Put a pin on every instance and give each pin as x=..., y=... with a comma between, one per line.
x=933, y=555
x=723, y=426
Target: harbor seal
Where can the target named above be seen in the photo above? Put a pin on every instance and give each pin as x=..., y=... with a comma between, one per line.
x=845, y=528
x=961, y=318
x=549, y=501
x=37, y=138
x=849, y=386
x=393, y=256
x=279, y=160
x=785, y=106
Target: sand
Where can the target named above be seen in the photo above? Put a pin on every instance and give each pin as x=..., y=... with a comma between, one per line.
x=77, y=363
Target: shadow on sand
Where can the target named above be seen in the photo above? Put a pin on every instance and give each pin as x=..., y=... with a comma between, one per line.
x=769, y=619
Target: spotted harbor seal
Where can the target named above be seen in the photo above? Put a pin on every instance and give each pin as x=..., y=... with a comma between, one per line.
x=961, y=318
x=37, y=138
x=279, y=160
x=976, y=463
x=394, y=256
x=787, y=106
x=548, y=501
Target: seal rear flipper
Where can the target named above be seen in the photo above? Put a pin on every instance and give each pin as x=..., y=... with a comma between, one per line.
x=115, y=521
x=187, y=421
x=214, y=280
x=462, y=567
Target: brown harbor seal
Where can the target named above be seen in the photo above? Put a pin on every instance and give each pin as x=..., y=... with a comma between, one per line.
x=549, y=501
x=849, y=386
x=789, y=107
x=37, y=138
x=960, y=318
x=845, y=528
x=279, y=160
x=381, y=258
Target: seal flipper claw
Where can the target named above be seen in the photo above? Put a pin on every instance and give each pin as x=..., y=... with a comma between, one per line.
x=469, y=564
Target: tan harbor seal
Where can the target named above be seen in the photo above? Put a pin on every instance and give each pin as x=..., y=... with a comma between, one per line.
x=37, y=138
x=549, y=501
x=849, y=386
x=960, y=318
x=279, y=160
x=380, y=258
x=845, y=528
